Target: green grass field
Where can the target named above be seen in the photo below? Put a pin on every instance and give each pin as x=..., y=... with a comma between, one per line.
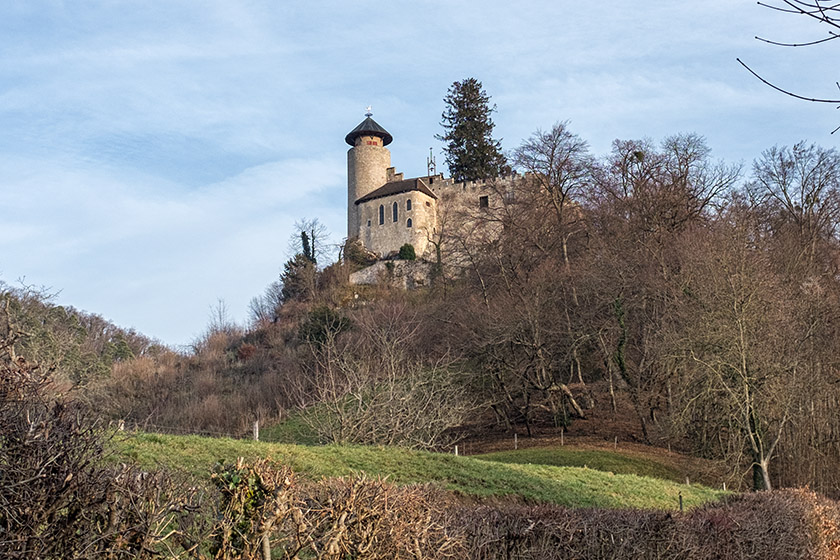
x=608, y=461
x=564, y=485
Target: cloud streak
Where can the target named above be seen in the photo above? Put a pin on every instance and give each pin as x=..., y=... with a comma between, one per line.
x=155, y=156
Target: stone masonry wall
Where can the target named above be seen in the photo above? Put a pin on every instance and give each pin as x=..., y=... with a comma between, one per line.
x=386, y=239
x=367, y=163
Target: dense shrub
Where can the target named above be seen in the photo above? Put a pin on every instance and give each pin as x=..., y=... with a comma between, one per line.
x=265, y=510
x=790, y=524
x=407, y=252
x=59, y=499
x=323, y=323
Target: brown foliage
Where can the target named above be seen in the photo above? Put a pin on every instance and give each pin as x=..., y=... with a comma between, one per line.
x=264, y=509
x=222, y=389
x=57, y=498
x=374, y=386
x=792, y=524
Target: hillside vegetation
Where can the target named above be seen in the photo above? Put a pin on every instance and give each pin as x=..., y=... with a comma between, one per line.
x=80, y=347
x=61, y=499
x=655, y=285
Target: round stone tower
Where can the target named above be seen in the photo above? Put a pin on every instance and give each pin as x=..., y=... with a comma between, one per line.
x=367, y=162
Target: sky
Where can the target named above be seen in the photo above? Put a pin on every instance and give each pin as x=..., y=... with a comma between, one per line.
x=155, y=155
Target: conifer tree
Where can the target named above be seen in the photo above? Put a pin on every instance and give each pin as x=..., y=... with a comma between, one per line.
x=471, y=151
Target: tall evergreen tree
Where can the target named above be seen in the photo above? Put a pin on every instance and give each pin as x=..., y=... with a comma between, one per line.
x=471, y=151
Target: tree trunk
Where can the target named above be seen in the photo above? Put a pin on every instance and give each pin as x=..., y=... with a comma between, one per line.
x=563, y=388
x=761, y=474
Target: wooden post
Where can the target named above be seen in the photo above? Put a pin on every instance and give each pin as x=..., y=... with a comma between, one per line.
x=681, y=505
x=687, y=483
x=256, y=430
x=562, y=431
x=266, y=547
x=724, y=486
x=615, y=443
x=515, y=441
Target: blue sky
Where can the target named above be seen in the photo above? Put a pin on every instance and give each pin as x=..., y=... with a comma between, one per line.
x=154, y=156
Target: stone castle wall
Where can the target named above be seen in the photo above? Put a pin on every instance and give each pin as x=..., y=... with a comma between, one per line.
x=386, y=238
x=367, y=165
x=457, y=206
x=463, y=202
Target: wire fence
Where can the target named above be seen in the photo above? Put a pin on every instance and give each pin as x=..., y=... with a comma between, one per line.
x=122, y=425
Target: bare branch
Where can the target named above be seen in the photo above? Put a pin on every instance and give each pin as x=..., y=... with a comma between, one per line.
x=786, y=92
x=831, y=37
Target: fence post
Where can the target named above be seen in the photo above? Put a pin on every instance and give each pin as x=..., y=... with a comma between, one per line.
x=456, y=450
x=256, y=430
x=515, y=441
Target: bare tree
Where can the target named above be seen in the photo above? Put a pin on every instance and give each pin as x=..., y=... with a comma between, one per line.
x=373, y=391
x=745, y=340
x=265, y=308
x=310, y=239
x=558, y=162
x=826, y=14
x=798, y=188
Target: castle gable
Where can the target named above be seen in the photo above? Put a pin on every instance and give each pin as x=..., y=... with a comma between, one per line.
x=398, y=187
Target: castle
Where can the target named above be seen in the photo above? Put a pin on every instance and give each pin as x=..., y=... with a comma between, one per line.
x=386, y=211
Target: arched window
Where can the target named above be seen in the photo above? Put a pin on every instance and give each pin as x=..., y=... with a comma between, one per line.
x=408, y=223
x=381, y=214
x=408, y=205
x=396, y=211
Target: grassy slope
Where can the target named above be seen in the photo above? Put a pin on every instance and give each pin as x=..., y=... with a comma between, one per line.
x=569, y=486
x=617, y=462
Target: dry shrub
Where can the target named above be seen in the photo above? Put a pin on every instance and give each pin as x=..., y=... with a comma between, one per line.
x=373, y=519
x=58, y=497
x=783, y=525
x=264, y=510
x=245, y=351
x=211, y=393
x=548, y=532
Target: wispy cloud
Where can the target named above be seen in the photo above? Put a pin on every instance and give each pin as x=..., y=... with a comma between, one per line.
x=154, y=156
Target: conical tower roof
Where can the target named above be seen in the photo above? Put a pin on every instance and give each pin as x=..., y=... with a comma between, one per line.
x=368, y=127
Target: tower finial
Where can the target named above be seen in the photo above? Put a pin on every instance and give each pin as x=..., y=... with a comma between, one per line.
x=368, y=111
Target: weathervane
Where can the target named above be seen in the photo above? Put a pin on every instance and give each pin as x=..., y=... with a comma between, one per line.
x=430, y=164
x=368, y=111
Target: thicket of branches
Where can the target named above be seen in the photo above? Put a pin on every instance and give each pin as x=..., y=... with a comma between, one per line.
x=59, y=499
x=710, y=303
